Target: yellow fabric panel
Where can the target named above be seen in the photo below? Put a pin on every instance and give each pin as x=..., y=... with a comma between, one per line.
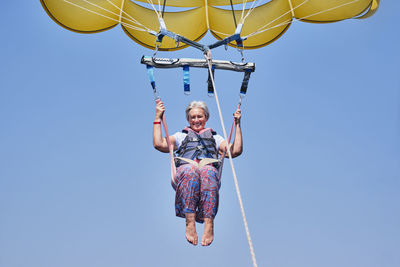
x=228, y=2
x=329, y=10
x=176, y=3
x=269, y=20
x=74, y=15
x=371, y=11
x=176, y=22
x=194, y=3
x=274, y=15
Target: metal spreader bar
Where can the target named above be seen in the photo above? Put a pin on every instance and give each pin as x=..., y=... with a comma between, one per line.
x=197, y=63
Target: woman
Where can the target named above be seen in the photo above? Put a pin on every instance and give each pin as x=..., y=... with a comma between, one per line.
x=196, y=185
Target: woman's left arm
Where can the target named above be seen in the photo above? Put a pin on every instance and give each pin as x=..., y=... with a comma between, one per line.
x=237, y=146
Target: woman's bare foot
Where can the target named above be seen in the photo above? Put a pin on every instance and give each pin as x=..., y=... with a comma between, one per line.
x=208, y=235
x=191, y=234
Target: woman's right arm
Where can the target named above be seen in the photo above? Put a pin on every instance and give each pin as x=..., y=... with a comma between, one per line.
x=160, y=142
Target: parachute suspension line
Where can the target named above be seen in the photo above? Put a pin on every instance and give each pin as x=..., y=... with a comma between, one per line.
x=144, y=29
x=120, y=10
x=132, y=19
x=262, y=29
x=150, y=2
x=159, y=5
x=329, y=9
x=291, y=7
x=253, y=256
x=253, y=6
x=233, y=14
x=206, y=6
x=243, y=8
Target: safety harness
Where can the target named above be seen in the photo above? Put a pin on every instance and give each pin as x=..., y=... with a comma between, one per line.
x=197, y=146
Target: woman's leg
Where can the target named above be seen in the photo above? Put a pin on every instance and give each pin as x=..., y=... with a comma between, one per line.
x=187, y=198
x=209, y=199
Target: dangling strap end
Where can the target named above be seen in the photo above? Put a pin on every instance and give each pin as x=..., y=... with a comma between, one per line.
x=209, y=81
x=186, y=80
x=245, y=83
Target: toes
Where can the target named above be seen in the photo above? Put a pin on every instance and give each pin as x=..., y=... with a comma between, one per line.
x=206, y=241
x=192, y=240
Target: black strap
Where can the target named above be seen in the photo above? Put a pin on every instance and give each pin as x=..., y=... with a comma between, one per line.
x=245, y=83
x=209, y=81
x=233, y=14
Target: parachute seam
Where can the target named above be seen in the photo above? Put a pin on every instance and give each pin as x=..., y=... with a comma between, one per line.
x=163, y=9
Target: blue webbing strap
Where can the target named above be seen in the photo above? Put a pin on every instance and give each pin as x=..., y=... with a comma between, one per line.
x=150, y=73
x=186, y=80
x=210, y=86
x=245, y=83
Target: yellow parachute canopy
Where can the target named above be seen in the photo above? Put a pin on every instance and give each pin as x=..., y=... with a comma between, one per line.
x=262, y=23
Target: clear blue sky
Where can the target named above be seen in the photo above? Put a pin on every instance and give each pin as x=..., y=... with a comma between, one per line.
x=82, y=186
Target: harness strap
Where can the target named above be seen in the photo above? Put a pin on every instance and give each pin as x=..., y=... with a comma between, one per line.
x=170, y=147
x=209, y=81
x=245, y=83
x=150, y=73
x=186, y=80
x=228, y=142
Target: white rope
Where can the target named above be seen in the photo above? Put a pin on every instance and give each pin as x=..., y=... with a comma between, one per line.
x=159, y=6
x=291, y=7
x=121, y=9
x=263, y=29
x=250, y=10
x=329, y=9
x=102, y=15
x=154, y=8
x=207, y=19
x=107, y=10
x=253, y=255
x=243, y=8
x=260, y=30
x=132, y=19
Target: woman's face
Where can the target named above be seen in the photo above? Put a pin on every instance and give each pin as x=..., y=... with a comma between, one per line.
x=197, y=119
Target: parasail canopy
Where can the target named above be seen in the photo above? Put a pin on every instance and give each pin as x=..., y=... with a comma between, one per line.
x=258, y=22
